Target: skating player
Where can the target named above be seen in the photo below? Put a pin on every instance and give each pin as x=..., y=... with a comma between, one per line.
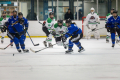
x=76, y=34
x=25, y=24
x=47, y=28
x=16, y=34
x=108, y=31
x=12, y=20
x=3, y=20
x=113, y=24
x=59, y=30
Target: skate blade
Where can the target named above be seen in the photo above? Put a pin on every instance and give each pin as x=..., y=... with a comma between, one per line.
x=69, y=53
x=82, y=51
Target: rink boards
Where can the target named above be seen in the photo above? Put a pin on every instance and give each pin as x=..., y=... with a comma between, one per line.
x=35, y=29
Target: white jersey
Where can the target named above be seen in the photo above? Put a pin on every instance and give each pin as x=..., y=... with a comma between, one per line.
x=2, y=22
x=108, y=16
x=50, y=23
x=58, y=29
x=92, y=18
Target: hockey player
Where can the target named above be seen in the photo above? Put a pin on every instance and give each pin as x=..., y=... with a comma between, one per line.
x=11, y=20
x=76, y=34
x=47, y=26
x=59, y=30
x=16, y=34
x=108, y=31
x=25, y=24
x=113, y=24
x=91, y=22
x=3, y=21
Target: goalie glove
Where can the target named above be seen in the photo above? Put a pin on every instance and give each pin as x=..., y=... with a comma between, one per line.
x=94, y=29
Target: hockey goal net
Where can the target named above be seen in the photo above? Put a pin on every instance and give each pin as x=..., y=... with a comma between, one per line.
x=101, y=25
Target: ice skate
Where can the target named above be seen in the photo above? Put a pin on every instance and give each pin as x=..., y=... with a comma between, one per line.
x=65, y=46
x=45, y=43
x=107, y=41
x=50, y=45
x=113, y=45
x=68, y=51
x=12, y=45
x=81, y=50
x=117, y=41
x=19, y=50
x=2, y=41
x=25, y=50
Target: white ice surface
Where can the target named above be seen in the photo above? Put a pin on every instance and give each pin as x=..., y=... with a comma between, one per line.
x=98, y=62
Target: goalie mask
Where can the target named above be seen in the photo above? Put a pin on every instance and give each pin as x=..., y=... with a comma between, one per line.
x=92, y=10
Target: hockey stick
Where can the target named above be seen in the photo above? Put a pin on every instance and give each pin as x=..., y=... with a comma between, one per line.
x=39, y=20
x=6, y=47
x=96, y=29
x=32, y=40
x=40, y=49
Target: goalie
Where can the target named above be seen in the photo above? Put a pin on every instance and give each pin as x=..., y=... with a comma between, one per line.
x=92, y=21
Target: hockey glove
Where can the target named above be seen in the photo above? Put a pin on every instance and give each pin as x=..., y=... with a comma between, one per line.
x=53, y=33
x=25, y=30
x=64, y=38
x=108, y=29
x=4, y=29
x=44, y=23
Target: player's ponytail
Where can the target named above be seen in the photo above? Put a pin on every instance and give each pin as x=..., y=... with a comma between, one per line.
x=73, y=23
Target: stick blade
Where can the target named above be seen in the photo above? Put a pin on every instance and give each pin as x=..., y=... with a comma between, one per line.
x=2, y=48
x=32, y=50
x=36, y=45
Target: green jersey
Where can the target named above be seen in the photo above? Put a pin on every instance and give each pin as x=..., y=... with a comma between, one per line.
x=50, y=23
x=108, y=16
x=58, y=29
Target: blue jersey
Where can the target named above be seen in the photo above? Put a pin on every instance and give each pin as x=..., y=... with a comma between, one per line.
x=25, y=22
x=112, y=22
x=11, y=20
x=16, y=28
x=73, y=30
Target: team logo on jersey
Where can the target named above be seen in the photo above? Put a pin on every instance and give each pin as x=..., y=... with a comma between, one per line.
x=92, y=17
x=48, y=24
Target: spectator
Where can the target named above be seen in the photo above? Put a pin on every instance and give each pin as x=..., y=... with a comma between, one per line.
x=29, y=16
x=79, y=15
x=69, y=15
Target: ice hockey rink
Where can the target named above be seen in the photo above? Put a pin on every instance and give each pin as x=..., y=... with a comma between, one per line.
x=99, y=61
